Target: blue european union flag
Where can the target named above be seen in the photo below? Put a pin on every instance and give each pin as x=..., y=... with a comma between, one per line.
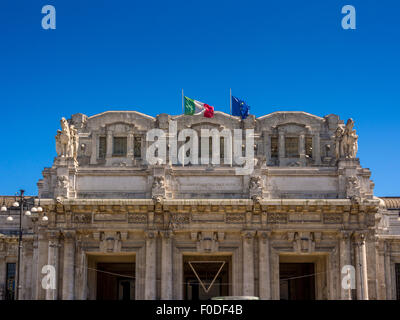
x=239, y=108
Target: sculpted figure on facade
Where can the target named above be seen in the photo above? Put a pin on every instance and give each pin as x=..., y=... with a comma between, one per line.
x=353, y=189
x=338, y=141
x=62, y=182
x=158, y=187
x=67, y=140
x=74, y=141
x=255, y=183
x=349, y=142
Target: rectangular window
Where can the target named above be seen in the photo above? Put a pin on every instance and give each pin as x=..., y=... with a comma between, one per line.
x=221, y=147
x=102, y=147
x=10, y=281
x=119, y=146
x=137, y=147
x=292, y=147
x=309, y=147
x=274, y=147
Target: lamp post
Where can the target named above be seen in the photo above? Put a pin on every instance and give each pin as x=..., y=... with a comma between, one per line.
x=22, y=201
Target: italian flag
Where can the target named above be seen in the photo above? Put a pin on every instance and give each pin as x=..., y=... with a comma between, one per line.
x=194, y=107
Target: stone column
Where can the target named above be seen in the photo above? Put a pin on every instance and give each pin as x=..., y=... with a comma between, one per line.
x=109, y=144
x=150, y=282
x=363, y=260
x=281, y=145
x=81, y=272
x=166, y=265
x=93, y=156
x=68, y=266
x=42, y=253
x=387, y=271
x=267, y=146
x=248, y=263
x=2, y=271
x=275, y=280
x=51, y=293
x=345, y=260
x=317, y=148
x=130, y=142
x=26, y=270
x=264, y=266
x=361, y=268
x=302, y=149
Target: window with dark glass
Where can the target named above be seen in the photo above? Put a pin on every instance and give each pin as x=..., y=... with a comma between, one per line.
x=292, y=147
x=10, y=281
x=221, y=147
x=102, y=147
x=137, y=147
x=309, y=147
x=119, y=146
x=274, y=147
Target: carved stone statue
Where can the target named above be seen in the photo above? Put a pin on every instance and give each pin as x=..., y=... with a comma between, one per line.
x=62, y=182
x=67, y=140
x=338, y=141
x=74, y=141
x=158, y=182
x=255, y=183
x=353, y=189
x=346, y=145
x=349, y=141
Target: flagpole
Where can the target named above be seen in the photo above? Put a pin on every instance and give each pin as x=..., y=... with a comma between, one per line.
x=183, y=146
x=230, y=101
x=230, y=110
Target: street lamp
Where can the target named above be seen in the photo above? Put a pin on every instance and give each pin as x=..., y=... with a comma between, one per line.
x=22, y=201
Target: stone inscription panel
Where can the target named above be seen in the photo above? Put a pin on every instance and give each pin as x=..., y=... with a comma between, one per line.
x=112, y=183
x=205, y=184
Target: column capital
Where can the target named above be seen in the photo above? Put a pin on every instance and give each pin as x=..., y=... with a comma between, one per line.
x=263, y=235
x=360, y=237
x=69, y=235
x=150, y=234
x=166, y=234
x=248, y=234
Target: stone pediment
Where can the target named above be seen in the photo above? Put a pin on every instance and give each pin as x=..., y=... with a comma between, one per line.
x=280, y=118
x=220, y=119
x=139, y=120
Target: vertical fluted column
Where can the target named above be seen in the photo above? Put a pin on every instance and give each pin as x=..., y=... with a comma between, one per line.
x=41, y=254
x=130, y=142
x=51, y=293
x=267, y=145
x=68, y=266
x=302, y=148
x=361, y=267
x=345, y=260
x=264, y=266
x=248, y=263
x=150, y=282
x=317, y=148
x=166, y=265
x=93, y=156
x=109, y=144
x=281, y=144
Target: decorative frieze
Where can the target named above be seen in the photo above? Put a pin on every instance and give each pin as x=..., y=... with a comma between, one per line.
x=139, y=218
x=275, y=217
x=334, y=218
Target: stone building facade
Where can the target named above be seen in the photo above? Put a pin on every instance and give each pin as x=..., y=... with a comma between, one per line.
x=120, y=227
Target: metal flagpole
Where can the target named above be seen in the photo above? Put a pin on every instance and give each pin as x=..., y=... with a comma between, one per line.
x=183, y=146
x=230, y=110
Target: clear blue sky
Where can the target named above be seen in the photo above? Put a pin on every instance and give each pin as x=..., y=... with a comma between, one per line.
x=137, y=55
